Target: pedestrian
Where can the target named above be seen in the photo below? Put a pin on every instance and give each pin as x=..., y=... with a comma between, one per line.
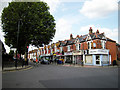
x=82, y=62
x=36, y=61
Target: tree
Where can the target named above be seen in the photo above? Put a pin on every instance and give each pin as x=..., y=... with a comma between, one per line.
x=11, y=53
x=27, y=23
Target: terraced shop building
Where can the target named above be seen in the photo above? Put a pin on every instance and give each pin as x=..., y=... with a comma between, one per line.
x=93, y=48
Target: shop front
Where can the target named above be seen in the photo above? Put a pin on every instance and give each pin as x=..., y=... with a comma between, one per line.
x=78, y=57
x=68, y=57
x=88, y=60
x=60, y=57
x=97, y=57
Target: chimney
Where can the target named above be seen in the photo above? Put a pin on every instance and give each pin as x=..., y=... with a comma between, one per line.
x=78, y=36
x=97, y=31
x=90, y=30
x=71, y=36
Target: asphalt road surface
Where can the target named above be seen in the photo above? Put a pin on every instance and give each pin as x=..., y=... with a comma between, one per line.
x=56, y=76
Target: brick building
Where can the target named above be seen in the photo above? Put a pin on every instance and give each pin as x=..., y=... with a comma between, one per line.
x=93, y=48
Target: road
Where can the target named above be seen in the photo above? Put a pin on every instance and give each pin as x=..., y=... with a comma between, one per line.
x=57, y=76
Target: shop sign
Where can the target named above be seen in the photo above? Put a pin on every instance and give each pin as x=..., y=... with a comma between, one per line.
x=98, y=51
x=59, y=54
x=68, y=53
x=47, y=54
x=78, y=53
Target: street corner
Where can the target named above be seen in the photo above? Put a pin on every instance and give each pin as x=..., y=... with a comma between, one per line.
x=14, y=69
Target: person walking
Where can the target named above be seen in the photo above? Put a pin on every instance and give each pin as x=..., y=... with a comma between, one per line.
x=36, y=61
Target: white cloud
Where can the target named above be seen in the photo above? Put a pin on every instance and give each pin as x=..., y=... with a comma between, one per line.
x=53, y=4
x=99, y=8
x=63, y=30
x=110, y=33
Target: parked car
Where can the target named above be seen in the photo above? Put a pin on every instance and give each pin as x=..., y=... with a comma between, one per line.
x=59, y=62
x=43, y=61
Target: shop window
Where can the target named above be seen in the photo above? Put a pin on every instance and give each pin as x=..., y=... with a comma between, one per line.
x=97, y=59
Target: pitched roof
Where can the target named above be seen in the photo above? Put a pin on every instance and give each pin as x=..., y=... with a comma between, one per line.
x=82, y=38
x=108, y=39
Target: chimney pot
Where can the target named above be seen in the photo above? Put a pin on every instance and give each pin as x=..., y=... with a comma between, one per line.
x=90, y=30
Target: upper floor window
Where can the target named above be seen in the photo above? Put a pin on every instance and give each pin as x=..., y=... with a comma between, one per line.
x=94, y=45
x=61, y=49
x=68, y=48
x=103, y=44
x=89, y=45
x=77, y=46
x=55, y=49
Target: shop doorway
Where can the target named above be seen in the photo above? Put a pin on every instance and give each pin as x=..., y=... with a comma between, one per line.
x=79, y=59
x=97, y=60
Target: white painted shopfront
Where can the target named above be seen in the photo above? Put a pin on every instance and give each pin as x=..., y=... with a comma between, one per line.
x=98, y=57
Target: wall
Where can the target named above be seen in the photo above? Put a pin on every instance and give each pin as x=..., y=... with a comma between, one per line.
x=65, y=48
x=84, y=46
x=111, y=46
x=118, y=52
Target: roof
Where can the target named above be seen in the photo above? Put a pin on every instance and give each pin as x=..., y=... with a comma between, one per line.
x=108, y=39
x=82, y=38
x=118, y=44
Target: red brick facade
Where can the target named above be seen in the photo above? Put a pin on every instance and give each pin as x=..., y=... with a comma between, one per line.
x=111, y=46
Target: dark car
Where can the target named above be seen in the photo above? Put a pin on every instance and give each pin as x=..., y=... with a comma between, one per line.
x=59, y=62
x=43, y=61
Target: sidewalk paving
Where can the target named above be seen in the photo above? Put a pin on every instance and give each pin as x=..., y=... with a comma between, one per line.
x=14, y=68
x=88, y=66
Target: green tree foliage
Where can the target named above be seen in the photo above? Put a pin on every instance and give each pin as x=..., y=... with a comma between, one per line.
x=11, y=53
x=36, y=24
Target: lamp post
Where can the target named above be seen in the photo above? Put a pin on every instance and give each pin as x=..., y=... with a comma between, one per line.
x=17, y=43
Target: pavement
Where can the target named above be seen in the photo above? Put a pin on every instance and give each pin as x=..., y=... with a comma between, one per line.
x=89, y=66
x=67, y=65
x=18, y=68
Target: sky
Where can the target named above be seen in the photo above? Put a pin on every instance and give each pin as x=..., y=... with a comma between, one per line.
x=77, y=16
